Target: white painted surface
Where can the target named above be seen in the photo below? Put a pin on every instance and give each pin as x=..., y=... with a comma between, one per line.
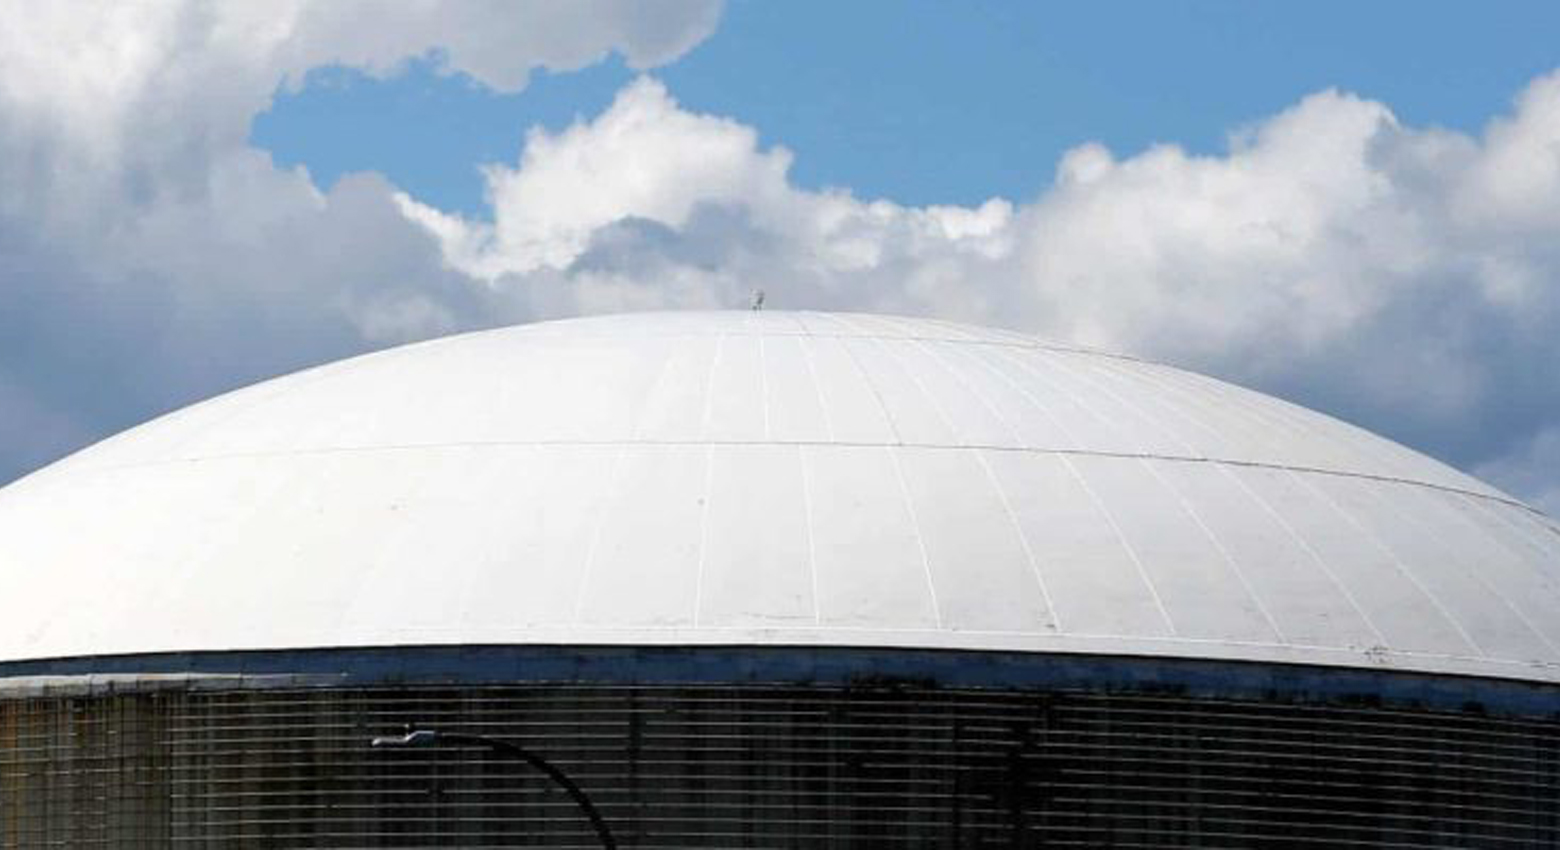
x=773, y=478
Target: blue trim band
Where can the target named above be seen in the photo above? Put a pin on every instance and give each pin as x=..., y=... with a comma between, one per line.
x=817, y=666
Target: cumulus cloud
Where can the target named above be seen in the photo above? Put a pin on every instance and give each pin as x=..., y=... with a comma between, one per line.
x=1405, y=278
x=1396, y=275
x=651, y=205
x=150, y=256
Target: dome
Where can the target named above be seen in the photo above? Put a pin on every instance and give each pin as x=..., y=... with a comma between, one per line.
x=771, y=478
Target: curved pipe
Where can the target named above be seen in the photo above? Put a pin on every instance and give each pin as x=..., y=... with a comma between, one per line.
x=431, y=737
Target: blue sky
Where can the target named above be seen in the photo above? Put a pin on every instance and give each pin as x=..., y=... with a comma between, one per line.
x=937, y=103
x=1355, y=206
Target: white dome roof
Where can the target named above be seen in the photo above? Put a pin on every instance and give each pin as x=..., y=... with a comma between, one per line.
x=773, y=479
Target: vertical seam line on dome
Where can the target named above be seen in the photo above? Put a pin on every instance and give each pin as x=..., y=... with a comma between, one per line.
x=709, y=464
x=1110, y=518
x=1270, y=413
x=966, y=336
x=1546, y=532
x=915, y=528
x=636, y=433
x=805, y=344
x=850, y=330
x=893, y=428
x=1072, y=470
x=608, y=500
x=1240, y=574
x=704, y=531
x=1049, y=379
x=1529, y=551
x=1431, y=531
x=1028, y=396
x=915, y=380
x=1023, y=539
x=1396, y=562
x=1248, y=409
x=1190, y=386
x=1132, y=553
x=709, y=389
x=904, y=486
x=1277, y=410
x=812, y=375
x=1540, y=543
x=807, y=517
x=1199, y=390
x=1193, y=401
x=1316, y=558
x=991, y=475
x=1108, y=378
x=1186, y=505
x=763, y=387
x=1274, y=410
x=295, y=381
x=875, y=327
x=1525, y=563
x=888, y=416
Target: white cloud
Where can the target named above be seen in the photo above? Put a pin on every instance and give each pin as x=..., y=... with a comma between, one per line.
x=644, y=158
x=140, y=96
x=651, y=205
x=149, y=256
x=1405, y=277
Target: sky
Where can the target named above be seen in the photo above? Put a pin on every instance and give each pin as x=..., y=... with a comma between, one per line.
x=1353, y=206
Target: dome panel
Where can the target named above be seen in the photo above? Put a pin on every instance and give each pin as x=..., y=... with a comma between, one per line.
x=773, y=479
x=1005, y=594
x=756, y=566
x=1096, y=584
x=867, y=549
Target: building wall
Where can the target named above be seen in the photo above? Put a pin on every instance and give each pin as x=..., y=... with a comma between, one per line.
x=850, y=764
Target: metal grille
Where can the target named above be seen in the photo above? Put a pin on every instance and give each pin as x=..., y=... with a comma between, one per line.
x=748, y=766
